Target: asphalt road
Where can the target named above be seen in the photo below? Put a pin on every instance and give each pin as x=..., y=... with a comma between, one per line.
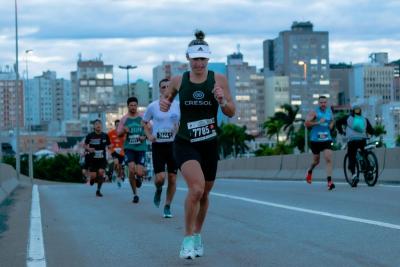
x=250, y=223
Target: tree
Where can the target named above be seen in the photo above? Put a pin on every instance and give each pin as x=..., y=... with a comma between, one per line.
x=288, y=117
x=232, y=139
x=380, y=131
x=273, y=127
x=398, y=140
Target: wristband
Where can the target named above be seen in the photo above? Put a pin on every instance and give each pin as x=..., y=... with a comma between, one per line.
x=224, y=103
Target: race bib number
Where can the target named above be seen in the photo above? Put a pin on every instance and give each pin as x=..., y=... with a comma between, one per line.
x=118, y=150
x=164, y=134
x=134, y=139
x=322, y=135
x=201, y=130
x=98, y=154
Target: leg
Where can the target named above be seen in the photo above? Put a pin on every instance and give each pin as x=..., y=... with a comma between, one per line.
x=203, y=207
x=314, y=163
x=193, y=174
x=100, y=180
x=171, y=188
x=132, y=180
x=328, y=154
x=352, y=152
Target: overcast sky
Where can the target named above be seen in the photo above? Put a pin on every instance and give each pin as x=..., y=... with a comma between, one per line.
x=146, y=32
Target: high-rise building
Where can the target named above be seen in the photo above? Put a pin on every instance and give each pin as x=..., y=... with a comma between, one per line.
x=93, y=82
x=372, y=79
x=302, y=55
x=247, y=89
x=340, y=83
x=167, y=69
x=276, y=94
x=48, y=100
x=9, y=104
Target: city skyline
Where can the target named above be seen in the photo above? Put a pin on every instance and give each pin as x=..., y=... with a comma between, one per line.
x=139, y=33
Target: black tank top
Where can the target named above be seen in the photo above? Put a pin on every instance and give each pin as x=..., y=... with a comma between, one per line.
x=198, y=109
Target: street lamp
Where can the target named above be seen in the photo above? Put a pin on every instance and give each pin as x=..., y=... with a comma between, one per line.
x=127, y=68
x=17, y=107
x=302, y=63
x=27, y=52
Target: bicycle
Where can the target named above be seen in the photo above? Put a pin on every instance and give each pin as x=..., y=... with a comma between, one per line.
x=366, y=163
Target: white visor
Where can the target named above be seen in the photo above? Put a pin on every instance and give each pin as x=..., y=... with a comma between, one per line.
x=196, y=51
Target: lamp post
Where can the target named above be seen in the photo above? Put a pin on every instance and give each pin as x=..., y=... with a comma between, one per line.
x=17, y=106
x=27, y=52
x=127, y=68
x=302, y=63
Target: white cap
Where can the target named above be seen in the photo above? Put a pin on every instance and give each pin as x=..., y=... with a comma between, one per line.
x=196, y=51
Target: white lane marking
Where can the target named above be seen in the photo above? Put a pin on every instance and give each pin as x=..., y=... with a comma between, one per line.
x=315, y=212
x=36, y=257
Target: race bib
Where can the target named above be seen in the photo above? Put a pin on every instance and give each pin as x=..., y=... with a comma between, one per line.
x=118, y=150
x=98, y=154
x=322, y=135
x=201, y=130
x=134, y=139
x=164, y=134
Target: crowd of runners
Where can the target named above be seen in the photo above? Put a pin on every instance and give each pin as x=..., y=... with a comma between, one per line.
x=183, y=136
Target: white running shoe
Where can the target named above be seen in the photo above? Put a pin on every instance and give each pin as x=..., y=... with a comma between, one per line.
x=187, y=248
x=198, y=245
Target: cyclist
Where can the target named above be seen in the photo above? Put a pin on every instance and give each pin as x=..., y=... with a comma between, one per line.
x=356, y=129
x=321, y=121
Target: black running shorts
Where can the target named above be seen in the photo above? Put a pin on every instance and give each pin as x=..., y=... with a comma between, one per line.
x=162, y=154
x=318, y=147
x=206, y=153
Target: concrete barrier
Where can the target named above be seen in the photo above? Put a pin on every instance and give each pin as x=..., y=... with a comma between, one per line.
x=389, y=162
x=8, y=180
x=295, y=166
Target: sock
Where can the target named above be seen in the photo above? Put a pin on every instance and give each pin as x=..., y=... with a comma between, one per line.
x=309, y=171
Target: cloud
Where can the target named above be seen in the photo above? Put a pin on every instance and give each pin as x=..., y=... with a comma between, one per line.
x=145, y=33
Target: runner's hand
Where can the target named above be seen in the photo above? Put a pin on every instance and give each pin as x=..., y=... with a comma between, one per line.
x=165, y=104
x=218, y=93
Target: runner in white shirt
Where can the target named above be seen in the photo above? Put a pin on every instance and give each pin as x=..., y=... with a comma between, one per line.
x=160, y=128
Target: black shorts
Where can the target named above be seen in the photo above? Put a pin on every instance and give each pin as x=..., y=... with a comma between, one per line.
x=95, y=164
x=162, y=154
x=318, y=147
x=120, y=158
x=206, y=153
x=135, y=156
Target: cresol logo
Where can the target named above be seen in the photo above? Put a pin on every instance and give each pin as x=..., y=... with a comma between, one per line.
x=198, y=95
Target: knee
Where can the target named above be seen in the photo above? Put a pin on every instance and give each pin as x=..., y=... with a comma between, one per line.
x=196, y=192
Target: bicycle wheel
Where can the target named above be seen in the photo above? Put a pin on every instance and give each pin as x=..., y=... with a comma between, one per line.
x=347, y=172
x=372, y=169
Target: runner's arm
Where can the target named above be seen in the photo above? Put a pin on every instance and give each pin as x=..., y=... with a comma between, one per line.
x=223, y=96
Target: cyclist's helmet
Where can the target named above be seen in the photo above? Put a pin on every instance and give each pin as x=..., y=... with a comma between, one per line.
x=356, y=110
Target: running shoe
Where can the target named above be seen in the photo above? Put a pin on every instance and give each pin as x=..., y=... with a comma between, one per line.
x=198, y=245
x=167, y=211
x=135, y=199
x=355, y=181
x=98, y=193
x=187, y=248
x=157, y=197
x=138, y=181
x=331, y=185
x=309, y=177
x=119, y=183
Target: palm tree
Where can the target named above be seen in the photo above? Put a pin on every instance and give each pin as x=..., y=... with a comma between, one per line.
x=288, y=116
x=273, y=127
x=232, y=138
